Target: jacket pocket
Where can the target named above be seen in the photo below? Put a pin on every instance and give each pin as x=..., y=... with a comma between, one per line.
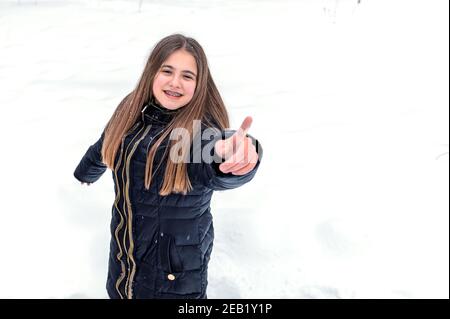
x=169, y=259
x=173, y=277
x=182, y=283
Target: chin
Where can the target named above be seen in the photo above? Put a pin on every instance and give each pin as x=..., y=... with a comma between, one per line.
x=171, y=106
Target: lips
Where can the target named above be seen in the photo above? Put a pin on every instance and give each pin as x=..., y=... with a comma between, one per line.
x=172, y=94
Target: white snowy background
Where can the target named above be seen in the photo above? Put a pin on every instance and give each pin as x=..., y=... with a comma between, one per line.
x=350, y=102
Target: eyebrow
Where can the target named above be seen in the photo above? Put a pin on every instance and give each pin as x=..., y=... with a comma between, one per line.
x=185, y=71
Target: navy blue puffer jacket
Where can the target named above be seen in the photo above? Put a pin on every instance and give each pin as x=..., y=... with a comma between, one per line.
x=160, y=245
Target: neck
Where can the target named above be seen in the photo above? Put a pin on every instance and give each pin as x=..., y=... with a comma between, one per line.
x=162, y=108
x=155, y=113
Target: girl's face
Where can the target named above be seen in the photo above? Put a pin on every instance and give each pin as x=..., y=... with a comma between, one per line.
x=175, y=81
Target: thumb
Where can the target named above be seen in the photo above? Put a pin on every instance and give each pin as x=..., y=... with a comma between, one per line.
x=245, y=126
x=225, y=148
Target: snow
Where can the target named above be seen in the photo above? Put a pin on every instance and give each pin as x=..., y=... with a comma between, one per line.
x=350, y=102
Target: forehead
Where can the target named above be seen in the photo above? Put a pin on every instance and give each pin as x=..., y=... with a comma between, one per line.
x=181, y=60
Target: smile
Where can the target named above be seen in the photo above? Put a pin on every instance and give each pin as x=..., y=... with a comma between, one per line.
x=173, y=95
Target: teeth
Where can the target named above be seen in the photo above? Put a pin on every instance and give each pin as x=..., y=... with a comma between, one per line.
x=173, y=93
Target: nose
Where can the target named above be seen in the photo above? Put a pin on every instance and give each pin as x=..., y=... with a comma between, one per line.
x=175, y=81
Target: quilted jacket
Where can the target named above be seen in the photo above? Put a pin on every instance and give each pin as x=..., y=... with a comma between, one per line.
x=160, y=245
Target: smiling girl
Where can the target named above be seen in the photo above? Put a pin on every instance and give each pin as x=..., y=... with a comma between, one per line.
x=161, y=227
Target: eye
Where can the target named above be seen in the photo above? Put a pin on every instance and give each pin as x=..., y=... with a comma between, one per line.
x=188, y=77
x=166, y=71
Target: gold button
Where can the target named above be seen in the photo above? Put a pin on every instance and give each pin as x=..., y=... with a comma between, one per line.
x=170, y=277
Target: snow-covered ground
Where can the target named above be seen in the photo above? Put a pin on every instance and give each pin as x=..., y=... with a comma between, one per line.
x=350, y=102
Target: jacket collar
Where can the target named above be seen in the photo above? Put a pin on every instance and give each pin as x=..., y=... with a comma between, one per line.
x=154, y=113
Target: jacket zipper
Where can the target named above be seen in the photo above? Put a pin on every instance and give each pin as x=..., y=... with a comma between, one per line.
x=120, y=225
x=130, y=276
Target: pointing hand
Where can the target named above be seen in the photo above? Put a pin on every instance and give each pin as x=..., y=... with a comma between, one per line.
x=238, y=151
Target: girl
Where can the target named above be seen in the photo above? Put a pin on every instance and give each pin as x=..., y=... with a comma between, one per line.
x=168, y=149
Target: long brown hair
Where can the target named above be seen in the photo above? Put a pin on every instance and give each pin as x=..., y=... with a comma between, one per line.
x=206, y=105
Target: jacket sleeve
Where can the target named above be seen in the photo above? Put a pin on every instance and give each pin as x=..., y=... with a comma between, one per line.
x=91, y=167
x=211, y=176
